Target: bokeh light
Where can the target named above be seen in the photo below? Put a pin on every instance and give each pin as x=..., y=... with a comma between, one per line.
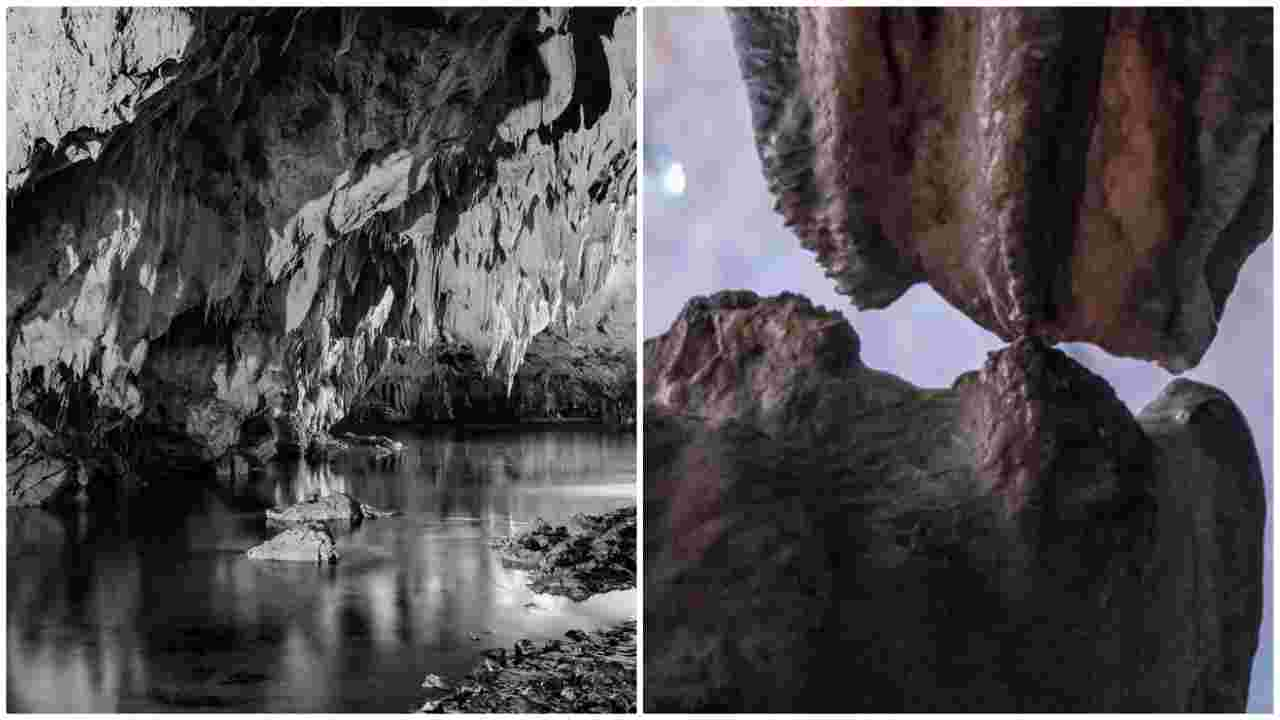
x=674, y=180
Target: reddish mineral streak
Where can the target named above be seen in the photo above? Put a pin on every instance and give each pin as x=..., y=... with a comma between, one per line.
x=1063, y=174
x=855, y=542
x=821, y=536
x=1004, y=414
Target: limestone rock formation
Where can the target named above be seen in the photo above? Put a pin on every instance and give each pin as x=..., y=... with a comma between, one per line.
x=238, y=215
x=598, y=556
x=1075, y=174
x=46, y=466
x=38, y=464
x=334, y=507
x=379, y=444
x=822, y=536
x=311, y=543
x=580, y=673
x=71, y=83
x=558, y=380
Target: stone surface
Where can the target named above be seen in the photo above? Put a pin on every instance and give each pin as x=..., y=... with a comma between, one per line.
x=76, y=74
x=308, y=543
x=378, y=443
x=334, y=507
x=821, y=536
x=584, y=672
x=48, y=466
x=1077, y=174
x=598, y=556
x=295, y=194
x=558, y=381
x=37, y=466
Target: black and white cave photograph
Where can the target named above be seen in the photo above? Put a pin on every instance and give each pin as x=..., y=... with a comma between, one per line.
x=321, y=359
x=957, y=378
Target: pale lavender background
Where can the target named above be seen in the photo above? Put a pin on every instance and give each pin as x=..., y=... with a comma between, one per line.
x=722, y=234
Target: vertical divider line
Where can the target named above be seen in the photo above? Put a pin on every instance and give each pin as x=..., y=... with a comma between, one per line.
x=1269, y=574
x=639, y=265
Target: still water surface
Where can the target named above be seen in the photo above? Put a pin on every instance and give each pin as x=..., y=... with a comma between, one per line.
x=157, y=609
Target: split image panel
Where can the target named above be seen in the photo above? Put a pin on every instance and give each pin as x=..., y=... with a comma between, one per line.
x=331, y=388
x=917, y=283
x=321, y=359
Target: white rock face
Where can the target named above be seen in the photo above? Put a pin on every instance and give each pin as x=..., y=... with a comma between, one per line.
x=83, y=70
x=312, y=543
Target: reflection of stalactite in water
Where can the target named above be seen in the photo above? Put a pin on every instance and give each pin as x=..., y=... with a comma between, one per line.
x=306, y=481
x=306, y=631
x=472, y=477
x=385, y=462
x=64, y=570
x=81, y=515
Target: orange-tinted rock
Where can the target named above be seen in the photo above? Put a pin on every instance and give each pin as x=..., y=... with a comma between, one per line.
x=1079, y=174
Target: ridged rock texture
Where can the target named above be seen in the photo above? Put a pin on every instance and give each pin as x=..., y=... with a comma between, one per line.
x=1073, y=174
x=558, y=380
x=224, y=222
x=311, y=543
x=822, y=536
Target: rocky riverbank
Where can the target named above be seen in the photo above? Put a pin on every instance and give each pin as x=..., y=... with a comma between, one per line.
x=584, y=672
x=597, y=556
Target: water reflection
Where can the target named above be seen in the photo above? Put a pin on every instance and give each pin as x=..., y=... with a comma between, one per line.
x=157, y=609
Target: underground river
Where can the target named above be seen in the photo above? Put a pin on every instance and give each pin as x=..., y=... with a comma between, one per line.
x=153, y=607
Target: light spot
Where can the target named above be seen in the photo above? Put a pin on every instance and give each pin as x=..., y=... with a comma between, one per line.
x=674, y=180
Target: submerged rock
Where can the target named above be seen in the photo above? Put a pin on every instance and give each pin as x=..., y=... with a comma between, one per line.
x=821, y=536
x=599, y=556
x=1080, y=174
x=585, y=672
x=334, y=507
x=435, y=682
x=309, y=543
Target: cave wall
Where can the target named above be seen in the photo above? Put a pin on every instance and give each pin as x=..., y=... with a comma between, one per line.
x=294, y=194
x=557, y=381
